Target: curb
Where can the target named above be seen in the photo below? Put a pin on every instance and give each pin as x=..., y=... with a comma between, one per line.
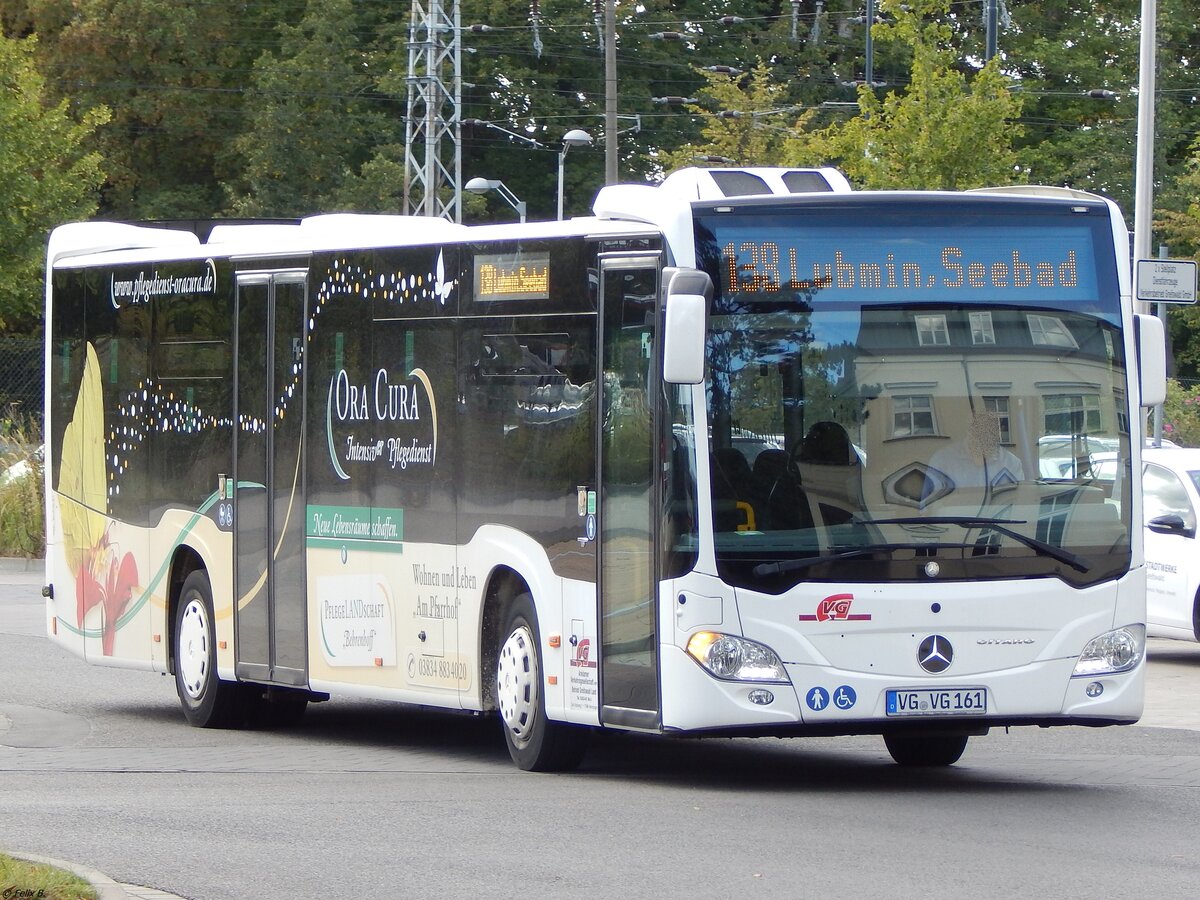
x=106, y=888
x=14, y=571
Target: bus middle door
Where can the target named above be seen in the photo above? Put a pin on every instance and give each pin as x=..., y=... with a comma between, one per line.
x=269, y=506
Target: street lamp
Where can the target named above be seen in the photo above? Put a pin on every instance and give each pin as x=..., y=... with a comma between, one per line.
x=576, y=137
x=512, y=134
x=483, y=185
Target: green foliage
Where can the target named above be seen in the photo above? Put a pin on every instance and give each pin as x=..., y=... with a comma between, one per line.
x=1183, y=341
x=173, y=75
x=282, y=107
x=22, y=880
x=754, y=136
x=944, y=132
x=312, y=119
x=1181, y=414
x=1181, y=227
x=22, y=493
x=1060, y=52
x=47, y=175
x=1181, y=230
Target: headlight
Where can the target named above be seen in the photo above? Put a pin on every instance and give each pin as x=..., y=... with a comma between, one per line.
x=735, y=658
x=1112, y=652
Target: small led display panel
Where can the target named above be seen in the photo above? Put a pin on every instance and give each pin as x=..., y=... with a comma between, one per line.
x=512, y=276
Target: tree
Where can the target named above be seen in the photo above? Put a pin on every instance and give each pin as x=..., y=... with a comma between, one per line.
x=314, y=119
x=1077, y=65
x=173, y=75
x=285, y=105
x=541, y=86
x=744, y=121
x=46, y=177
x=1181, y=228
x=946, y=131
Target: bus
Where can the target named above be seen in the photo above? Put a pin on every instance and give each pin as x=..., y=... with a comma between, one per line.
x=743, y=453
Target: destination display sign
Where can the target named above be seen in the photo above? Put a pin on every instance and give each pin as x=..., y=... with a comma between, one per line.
x=918, y=263
x=512, y=276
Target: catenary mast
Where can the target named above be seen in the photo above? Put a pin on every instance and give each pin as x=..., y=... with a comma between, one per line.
x=432, y=126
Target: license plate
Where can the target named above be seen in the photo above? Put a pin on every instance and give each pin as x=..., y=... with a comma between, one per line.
x=941, y=702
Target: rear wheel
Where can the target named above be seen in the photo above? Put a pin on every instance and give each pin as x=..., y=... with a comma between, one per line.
x=925, y=749
x=208, y=702
x=535, y=743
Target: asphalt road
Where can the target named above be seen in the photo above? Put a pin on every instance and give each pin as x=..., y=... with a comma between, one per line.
x=369, y=800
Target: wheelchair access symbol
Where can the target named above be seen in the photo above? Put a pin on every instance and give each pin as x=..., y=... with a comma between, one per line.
x=844, y=697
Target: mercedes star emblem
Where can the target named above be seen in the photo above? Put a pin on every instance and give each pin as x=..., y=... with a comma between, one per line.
x=935, y=654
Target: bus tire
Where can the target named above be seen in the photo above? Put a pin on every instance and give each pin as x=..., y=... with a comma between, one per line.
x=208, y=702
x=535, y=743
x=925, y=749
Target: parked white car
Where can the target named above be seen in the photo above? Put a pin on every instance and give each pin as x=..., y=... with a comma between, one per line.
x=1171, y=485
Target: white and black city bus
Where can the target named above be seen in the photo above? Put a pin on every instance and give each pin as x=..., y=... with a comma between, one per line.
x=746, y=453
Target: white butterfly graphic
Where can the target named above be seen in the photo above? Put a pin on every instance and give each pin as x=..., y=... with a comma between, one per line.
x=441, y=287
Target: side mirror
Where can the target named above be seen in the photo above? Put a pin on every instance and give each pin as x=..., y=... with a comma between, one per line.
x=1152, y=359
x=685, y=324
x=683, y=340
x=1170, y=523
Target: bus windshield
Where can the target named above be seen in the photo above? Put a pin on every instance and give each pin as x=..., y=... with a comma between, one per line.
x=911, y=388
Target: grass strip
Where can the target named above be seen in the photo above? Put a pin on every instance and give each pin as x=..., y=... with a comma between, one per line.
x=22, y=880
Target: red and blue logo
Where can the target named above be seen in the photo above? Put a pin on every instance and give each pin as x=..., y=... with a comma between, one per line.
x=836, y=608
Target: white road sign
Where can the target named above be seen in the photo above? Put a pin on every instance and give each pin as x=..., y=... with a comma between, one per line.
x=1166, y=281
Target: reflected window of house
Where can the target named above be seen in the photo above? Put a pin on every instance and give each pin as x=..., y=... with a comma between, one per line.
x=982, y=331
x=999, y=407
x=1073, y=414
x=932, y=331
x=912, y=415
x=1049, y=331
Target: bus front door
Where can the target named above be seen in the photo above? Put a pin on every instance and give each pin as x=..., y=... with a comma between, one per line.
x=269, y=506
x=628, y=612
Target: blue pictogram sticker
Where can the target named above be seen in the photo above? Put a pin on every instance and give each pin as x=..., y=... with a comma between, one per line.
x=844, y=697
x=817, y=699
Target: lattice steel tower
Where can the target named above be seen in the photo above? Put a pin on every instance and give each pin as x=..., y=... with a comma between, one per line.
x=432, y=129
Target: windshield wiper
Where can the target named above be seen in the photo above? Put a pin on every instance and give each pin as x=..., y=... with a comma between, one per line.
x=996, y=525
x=791, y=565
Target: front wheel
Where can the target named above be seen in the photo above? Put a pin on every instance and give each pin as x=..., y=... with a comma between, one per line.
x=925, y=749
x=535, y=743
x=208, y=702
